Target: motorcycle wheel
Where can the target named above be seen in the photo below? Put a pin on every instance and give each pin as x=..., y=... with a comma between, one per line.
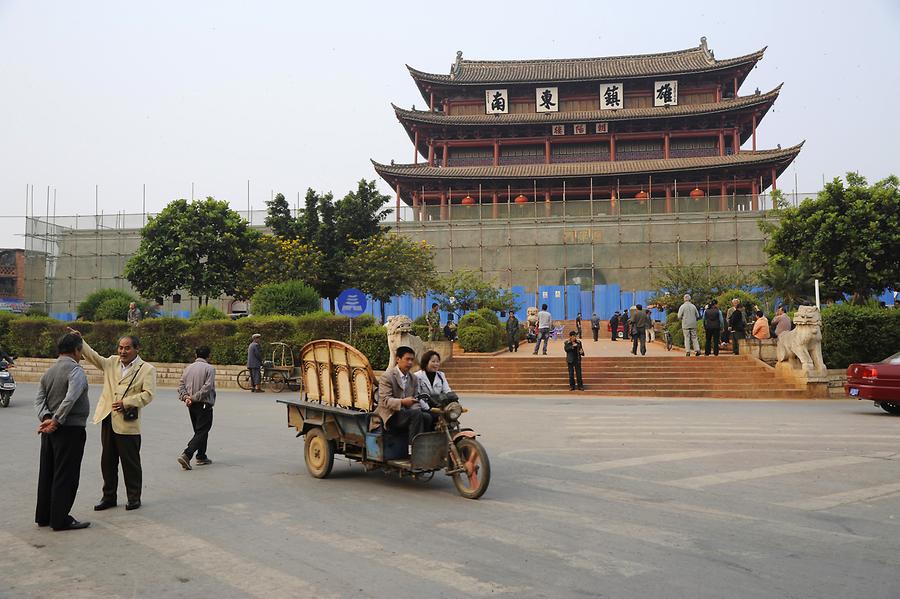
x=4, y=400
x=243, y=380
x=474, y=482
x=319, y=453
x=891, y=407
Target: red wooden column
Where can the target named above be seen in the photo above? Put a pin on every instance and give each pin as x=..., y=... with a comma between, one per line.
x=415, y=200
x=416, y=148
x=431, y=100
x=496, y=152
x=547, y=151
x=736, y=141
x=430, y=153
x=445, y=154
x=774, y=178
x=754, y=194
x=754, y=131
x=495, y=205
x=612, y=147
x=398, y=203
x=444, y=212
x=666, y=146
x=668, y=198
x=719, y=93
x=721, y=142
x=723, y=198
x=735, y=87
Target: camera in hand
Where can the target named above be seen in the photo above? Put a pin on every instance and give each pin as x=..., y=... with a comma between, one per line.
x=130, y=414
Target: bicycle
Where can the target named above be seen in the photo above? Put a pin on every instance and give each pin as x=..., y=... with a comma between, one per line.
x=667, y=336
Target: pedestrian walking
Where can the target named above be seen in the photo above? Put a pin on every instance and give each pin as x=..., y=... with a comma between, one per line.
x=688, y=314
x=651, y=330
x=574, y=352
x=433, y=318
x=62, y=408
x=254, y=363
x=545, y=321
x=512, y=333
x=614, y=325
x=197, y=389
x=129, y=385
x=134, y=314
x=578, y=325
x=727, y=334
x=738, y=326
x=639, y=322
x=595, y=325
x=712, y=324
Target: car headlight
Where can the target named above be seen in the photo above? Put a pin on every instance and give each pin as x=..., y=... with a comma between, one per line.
x=453, y=411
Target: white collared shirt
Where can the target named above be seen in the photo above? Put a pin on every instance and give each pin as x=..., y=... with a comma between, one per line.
x=125, y=369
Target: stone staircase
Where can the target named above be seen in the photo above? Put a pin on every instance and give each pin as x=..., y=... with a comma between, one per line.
x=726, y=376
x=29, y=370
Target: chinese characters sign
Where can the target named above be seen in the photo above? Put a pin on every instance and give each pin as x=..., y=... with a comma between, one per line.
x=602, y=128
x=579, y=129
x=559, y=130
x=547, y=99
x=665, y=93
x=612, y=96
x=496, y=101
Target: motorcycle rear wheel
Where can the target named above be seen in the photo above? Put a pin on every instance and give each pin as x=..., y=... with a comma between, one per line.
x=4, y=399
x=474, y=482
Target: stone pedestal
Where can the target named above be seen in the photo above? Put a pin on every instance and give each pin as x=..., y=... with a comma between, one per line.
x=765, y=350
x=445, y=348
x=816, y=382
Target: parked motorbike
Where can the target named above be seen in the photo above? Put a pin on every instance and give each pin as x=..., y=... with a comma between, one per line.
x=7, y=383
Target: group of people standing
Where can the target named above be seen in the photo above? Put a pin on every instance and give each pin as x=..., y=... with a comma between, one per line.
x=731, y=325
x=62, y=407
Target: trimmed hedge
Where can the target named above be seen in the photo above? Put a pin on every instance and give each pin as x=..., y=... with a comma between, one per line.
x=175, y=339
x=478, y=339
x=858, y=334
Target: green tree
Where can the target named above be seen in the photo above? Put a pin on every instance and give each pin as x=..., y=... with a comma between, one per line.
x=849, y=233
x=702, y=281
x=274, y=259
x=309, y=220
x=199, y=246
x=87, y=309
x=464, y=290
x=790, y=280
x=358, y=214
x=388, y=265
x=280, y=219
x=331, y=281
x=293, y=298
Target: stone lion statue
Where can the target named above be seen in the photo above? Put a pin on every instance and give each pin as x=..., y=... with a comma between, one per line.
x=802, y=346
x=399, y=333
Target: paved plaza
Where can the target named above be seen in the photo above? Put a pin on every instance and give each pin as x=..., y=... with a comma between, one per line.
x=590, y=497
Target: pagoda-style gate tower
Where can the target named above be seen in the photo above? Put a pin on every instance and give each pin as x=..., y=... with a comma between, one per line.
x=645, y=134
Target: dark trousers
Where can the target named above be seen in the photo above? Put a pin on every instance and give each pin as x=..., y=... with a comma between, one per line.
x=512, y=342
x=60, y=471
x=575, y=374
x=615, y=332
x=201, y=414
x=116, y=448
x=255, y=377
x=712, y=337
x=735, y=344
x=413, y=420
x=596, y=332
x=639, y=335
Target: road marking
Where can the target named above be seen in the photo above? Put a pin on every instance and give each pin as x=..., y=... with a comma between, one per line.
x=680, y=509
x=592, y=561
x=441, y=571
x=646, y=460
x=825, y=502
x=708, y=480
x=725, y=433
x=239, y=571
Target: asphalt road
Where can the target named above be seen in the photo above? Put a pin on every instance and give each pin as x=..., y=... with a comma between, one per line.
x=589, y=498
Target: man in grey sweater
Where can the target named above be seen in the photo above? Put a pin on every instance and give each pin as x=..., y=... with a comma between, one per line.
x=197, y=390
x=688, y=314
x=62, y=407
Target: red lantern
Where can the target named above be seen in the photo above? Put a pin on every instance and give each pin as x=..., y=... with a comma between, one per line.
x=467, y=201
x=520, y=199
x=697, y=193
x=641, y=195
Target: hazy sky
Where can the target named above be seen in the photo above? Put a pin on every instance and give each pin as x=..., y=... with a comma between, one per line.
x=293, y=95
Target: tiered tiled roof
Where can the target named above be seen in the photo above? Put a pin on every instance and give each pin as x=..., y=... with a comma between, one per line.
x=778, y=158
x=480, y=72
x=681, y=110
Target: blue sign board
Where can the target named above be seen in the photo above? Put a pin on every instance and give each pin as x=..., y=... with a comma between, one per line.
x=351, y=302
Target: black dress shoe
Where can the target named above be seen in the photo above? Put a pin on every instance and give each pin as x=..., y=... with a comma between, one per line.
x=104, y=505
x=43, y=524
x=133, y=505
x=74, y=525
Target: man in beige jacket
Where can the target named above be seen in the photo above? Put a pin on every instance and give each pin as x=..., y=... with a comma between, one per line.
x=129, y=384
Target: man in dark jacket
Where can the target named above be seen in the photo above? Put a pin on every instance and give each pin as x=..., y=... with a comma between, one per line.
x=574, y=351
x=254, y=363
x=595, y=325
x=712, y=326
x=614, y=325
x=512, y=333
x=639, y=323
x=62, y=407
x=738, y=327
